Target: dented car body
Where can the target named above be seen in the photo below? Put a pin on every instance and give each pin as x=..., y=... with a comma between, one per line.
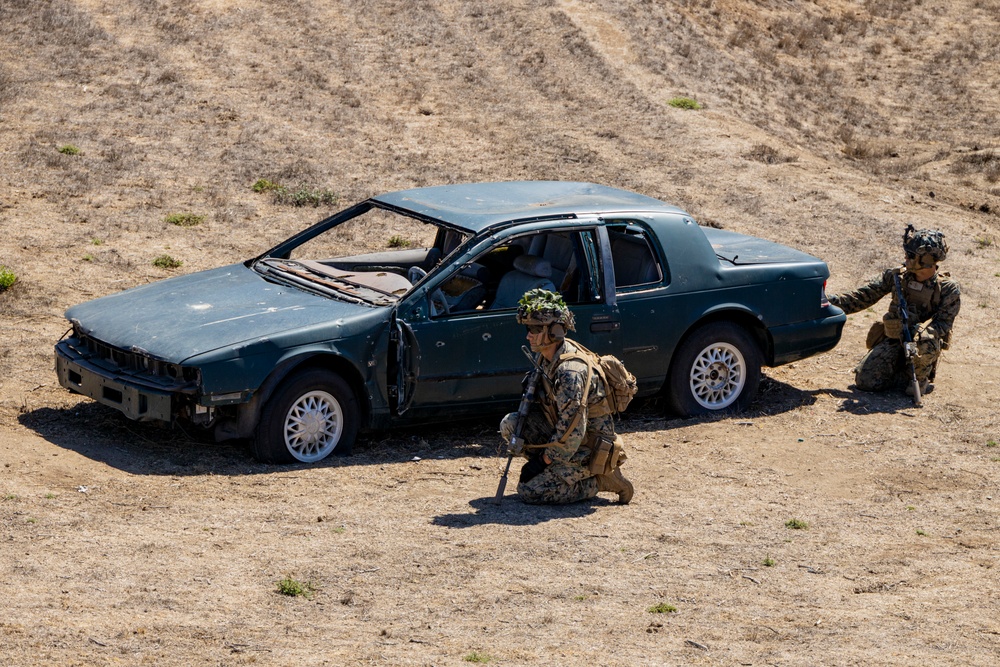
x=302, y=346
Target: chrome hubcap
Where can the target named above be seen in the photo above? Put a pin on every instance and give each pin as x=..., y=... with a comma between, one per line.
x=718, y=376
x=313, y=426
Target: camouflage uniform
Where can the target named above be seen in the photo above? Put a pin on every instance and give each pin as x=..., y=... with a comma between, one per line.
x=568, y=440
x=568, y=419
x=933, y=303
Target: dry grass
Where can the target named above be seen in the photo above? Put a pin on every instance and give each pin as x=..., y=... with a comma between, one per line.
x=826, y=125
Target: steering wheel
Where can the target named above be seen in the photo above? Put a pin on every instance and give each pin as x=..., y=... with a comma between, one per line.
x=415, y=274
x=439, y=305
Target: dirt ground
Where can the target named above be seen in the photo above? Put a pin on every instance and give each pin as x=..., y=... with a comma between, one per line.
x=825, y=125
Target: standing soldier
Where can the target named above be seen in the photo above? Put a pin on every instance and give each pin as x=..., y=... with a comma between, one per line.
x=571, y=418
x=932, y=301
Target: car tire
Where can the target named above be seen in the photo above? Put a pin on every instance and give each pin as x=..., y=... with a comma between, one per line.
x=716, y=369
x=312, y=414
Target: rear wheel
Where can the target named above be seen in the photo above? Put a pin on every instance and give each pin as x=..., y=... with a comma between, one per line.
x=311, y=414
x=716, y=369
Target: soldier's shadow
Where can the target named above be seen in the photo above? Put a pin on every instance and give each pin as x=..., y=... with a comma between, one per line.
x=513, y=512
x=859, y=402
x=776, y=397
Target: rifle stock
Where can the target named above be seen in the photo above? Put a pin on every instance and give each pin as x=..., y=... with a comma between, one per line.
x=909, y=346
x=516, y=444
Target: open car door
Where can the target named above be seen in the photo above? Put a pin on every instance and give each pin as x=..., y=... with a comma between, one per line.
x=454, y=359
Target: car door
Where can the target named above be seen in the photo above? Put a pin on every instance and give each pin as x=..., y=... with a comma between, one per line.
x=641, y=281
x=469, y=359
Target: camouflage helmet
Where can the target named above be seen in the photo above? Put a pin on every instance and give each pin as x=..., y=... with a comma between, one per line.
x=918, y=242
x=541, y=306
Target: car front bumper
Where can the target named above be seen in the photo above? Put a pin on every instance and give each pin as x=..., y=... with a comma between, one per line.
x=137, y=397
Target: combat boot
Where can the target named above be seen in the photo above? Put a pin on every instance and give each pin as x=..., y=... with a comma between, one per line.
x=616, y=482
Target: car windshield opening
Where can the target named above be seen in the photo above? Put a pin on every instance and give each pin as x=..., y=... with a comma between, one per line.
x=375, y=257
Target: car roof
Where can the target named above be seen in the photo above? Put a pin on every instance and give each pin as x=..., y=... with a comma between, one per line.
x=478, y=206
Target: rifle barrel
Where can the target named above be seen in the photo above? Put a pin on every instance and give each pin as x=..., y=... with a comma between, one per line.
x=522, y=415
x=909, y=346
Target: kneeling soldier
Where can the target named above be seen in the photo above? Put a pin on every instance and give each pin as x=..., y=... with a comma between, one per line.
x=932, y=300
x=569, y=432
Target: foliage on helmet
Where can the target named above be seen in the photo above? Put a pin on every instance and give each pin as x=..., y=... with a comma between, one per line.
x=542, y=306
x=925, y=242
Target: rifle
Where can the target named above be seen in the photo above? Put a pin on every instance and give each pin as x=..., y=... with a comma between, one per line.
x=909, y=346
x=516, y=444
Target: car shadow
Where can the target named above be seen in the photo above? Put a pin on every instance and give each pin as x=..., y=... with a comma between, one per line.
x=776, y=397
x=103, y=434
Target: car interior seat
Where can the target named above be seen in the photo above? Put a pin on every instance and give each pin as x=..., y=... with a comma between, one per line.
x=558, y=250
x=528, y=273
x=633, y=260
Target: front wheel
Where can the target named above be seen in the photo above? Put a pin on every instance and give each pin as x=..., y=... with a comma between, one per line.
x=311, y=414
x=716, y=369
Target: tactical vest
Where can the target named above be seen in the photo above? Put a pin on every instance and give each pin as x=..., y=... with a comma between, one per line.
x=922, y=299
x=597, y=409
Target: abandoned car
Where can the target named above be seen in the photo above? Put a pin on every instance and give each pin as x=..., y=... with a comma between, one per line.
x=400, y=310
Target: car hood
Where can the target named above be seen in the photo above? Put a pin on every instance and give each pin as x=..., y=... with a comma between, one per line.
x=178, y=318
x=742, y=249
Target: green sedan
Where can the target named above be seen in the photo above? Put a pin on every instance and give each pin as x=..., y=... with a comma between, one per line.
x=400, y=310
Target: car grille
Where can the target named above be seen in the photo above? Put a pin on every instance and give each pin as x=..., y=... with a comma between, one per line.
x=132, y=362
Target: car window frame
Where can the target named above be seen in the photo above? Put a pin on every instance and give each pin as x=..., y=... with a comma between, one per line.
x=652, y=241
x=472, y=251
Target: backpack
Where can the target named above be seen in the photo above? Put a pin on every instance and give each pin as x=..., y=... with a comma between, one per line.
x=619, y=383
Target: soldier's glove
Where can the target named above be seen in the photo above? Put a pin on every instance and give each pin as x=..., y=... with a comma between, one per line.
x=929, y=332
x=515, y=447
x=893, y=328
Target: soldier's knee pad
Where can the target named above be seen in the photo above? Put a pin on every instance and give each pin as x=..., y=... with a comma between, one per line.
x=507, y=426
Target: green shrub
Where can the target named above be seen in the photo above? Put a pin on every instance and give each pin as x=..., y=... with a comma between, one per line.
x=185, y=219
x=166, y=262
x=399, y=242
x=294, y=588
x=7, y=278
x=684, y=103
x=662, y=608
x=264, y=185
x=477, y=657
x=69, y=149
x=796, y=524
x=303, y=196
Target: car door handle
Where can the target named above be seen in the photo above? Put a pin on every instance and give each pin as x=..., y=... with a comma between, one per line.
x=605, y=326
